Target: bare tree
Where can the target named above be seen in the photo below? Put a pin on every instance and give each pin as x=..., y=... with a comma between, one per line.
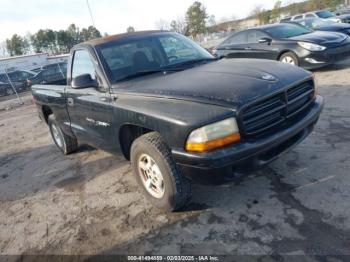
x=212, y=20
x=260, y=13
x=3, y=50
x=162, y=24
x=179, y=25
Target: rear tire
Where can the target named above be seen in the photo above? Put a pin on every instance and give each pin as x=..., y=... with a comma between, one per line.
x=156, y=172
x=289, y=58
x=9, y=91
x=65, y=143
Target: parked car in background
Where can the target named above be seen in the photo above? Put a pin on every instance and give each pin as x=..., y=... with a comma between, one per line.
x=54, y=74
x=17, y=76
x=7, y=89
x=288, y=43
x=177, y=117
x=18, y=79
x=342, y=11
x=323, y=14
x=324, y=25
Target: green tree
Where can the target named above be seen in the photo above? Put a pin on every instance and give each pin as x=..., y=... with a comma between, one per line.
x=130, y=29
x=44, y=41
x=275, y=12
x=196, y=16
x=73, y=35
x=90, y=33
x=265, y=17
x=63, y=41
x=17, y=45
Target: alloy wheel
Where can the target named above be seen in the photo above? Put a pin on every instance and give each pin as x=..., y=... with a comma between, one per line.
x=56, y=135
x=288, y=60
x=151, y=176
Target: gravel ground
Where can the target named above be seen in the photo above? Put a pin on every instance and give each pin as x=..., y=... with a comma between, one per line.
x=89, y=203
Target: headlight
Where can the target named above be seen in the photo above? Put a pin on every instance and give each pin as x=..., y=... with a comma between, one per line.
x=311, y=46
x=213, y=136
x=336, y=20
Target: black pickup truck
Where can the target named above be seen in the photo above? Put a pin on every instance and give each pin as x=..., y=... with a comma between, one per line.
x=176, y=112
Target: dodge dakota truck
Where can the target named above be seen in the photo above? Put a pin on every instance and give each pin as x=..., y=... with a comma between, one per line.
x=176, y=112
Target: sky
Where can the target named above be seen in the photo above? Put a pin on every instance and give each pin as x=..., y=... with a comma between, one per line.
x=110, y=16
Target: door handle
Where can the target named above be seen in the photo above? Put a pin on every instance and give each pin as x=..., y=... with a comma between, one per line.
x=70, y=101
x=247, y=48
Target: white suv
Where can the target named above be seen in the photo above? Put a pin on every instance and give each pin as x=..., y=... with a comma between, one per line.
x=316, y=14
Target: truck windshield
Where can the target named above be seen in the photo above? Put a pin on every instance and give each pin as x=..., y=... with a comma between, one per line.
x=138, y=56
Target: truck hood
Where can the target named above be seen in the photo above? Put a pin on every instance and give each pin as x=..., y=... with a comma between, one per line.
x=226, y=82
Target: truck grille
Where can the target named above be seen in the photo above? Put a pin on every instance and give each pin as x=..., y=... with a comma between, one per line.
x=264, y=117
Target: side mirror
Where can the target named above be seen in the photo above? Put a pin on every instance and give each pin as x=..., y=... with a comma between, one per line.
x=265, y=40
x=83, y=81
x=219, y=57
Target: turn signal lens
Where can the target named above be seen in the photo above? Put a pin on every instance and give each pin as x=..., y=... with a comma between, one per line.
x=210, y=145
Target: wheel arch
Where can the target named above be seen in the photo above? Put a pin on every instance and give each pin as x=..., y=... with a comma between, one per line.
x=284, y=52
x=127, y=135
x=46, y=111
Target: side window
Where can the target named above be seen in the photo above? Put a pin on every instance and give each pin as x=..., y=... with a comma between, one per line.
x=49, y=71
x=26, y=75
x=298, y=17
x=310, y=15
x=238, y=38
x=14, y=76
x=286, y=19
x=82, y=64
x=3, y=78
x=253, y=36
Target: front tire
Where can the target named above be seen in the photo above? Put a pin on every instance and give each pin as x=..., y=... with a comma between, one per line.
x=64, y=142
x=156, y=172
x=289, y=58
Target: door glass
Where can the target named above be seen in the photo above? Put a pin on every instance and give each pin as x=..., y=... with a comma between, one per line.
x=82, y=64
x=254, y=36
x=238, y=38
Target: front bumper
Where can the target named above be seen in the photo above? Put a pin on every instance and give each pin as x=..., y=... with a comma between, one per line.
x=313, y=60
x=220, y=165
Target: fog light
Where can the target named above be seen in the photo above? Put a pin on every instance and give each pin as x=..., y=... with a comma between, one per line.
x=313, y=61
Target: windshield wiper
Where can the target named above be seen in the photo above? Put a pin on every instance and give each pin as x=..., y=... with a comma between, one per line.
x=189, y=62
x=147, y=72
x=140, y=73
x=175, y=67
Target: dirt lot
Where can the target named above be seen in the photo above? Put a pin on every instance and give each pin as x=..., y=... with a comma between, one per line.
x=89, y=203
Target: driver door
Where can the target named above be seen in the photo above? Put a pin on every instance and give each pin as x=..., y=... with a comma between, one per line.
x=89, y=108
x=261, y=50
